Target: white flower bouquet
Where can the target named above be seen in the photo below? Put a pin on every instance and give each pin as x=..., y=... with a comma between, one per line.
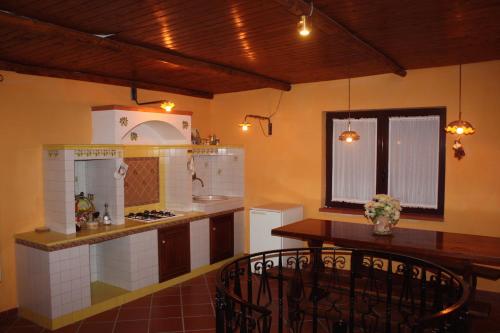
x=383, y=205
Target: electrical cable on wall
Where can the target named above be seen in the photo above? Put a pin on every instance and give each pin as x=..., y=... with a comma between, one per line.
x=271, y=115
x=278, y=105
x=245, y=125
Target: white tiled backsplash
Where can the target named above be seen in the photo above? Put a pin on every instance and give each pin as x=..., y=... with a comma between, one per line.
x=96, y=177
x=94, y=171
x=59, y=188
x=178, y=195
x=222, y=174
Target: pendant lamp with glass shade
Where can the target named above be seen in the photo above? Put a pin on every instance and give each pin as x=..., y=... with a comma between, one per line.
x=349, y=135
x=460, y=127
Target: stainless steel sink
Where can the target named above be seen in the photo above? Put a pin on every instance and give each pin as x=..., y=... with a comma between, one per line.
x=204, y=198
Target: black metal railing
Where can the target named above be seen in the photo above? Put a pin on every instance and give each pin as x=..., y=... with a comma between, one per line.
x=338, y=290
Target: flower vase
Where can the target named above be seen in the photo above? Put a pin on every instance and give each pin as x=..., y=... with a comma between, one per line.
x=382, y=226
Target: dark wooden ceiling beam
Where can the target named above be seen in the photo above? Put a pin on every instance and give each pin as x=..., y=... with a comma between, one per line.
x=139, y=51
x=97, y=78
x=328, y=25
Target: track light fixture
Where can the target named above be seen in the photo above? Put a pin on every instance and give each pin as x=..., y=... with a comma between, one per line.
x=165, y=105
x=304, y=26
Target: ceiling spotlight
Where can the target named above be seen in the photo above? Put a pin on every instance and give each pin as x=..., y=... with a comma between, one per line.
x=304, y=26
x=168, y=106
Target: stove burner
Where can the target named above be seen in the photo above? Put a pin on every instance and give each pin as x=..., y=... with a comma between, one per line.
x=152, y=216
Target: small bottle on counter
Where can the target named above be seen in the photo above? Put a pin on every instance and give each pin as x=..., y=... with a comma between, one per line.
x=106, y=218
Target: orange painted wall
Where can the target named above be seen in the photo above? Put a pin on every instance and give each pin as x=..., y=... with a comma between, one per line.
x=35, y=111
x=289, y=165
x=286, y=167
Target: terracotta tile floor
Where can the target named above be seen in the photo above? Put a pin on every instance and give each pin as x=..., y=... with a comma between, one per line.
x=188, y=307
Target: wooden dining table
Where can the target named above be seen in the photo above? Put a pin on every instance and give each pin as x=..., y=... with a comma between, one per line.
x=441, y=247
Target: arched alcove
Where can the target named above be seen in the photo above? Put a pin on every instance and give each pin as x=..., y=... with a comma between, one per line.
x=153, y=132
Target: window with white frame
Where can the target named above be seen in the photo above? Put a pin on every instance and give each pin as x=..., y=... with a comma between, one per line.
x=400, y=152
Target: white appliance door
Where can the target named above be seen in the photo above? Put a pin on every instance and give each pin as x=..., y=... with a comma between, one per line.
x=261, y=224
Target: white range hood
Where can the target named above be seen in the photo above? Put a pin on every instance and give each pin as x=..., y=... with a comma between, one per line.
x=131, y=125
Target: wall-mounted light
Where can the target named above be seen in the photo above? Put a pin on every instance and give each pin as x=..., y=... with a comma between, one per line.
x=165, y=105
x=245, y=125
x=349, y=135
x=304, y=26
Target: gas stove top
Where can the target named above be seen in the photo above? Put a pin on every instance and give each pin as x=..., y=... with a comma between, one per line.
x=152, y=216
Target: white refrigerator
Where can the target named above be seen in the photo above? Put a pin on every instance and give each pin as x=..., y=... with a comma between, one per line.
x=267, y=217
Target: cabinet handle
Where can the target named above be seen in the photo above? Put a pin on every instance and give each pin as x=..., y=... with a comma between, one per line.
x=214, y=229
x=163, y=242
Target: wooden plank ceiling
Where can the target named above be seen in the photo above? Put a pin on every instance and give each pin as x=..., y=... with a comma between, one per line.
x=200, y=47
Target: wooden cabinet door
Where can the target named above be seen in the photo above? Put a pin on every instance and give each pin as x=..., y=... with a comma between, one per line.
x=173, y=251
x=221, y=237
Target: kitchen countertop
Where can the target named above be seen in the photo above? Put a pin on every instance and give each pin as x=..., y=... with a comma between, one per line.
x=52, y=241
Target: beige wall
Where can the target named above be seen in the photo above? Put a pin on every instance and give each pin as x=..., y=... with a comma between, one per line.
x=35, y=111
x=288, y=166
x=285, y=167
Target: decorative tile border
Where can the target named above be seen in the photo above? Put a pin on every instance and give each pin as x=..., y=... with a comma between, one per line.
x=53, y=153
x=93, y=153
x=107, y=235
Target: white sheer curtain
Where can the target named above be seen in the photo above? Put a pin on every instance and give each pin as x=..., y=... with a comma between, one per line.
x=414, y=160
x=354, y=173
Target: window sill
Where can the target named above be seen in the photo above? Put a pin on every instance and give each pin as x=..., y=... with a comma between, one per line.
x=349, y=211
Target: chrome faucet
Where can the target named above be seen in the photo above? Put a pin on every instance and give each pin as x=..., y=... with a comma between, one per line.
x=196, y=178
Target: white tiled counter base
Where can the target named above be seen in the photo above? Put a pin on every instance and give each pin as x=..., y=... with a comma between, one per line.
x=239, y=232
x=200, y=243
x=55, y=283
x=129, y=262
